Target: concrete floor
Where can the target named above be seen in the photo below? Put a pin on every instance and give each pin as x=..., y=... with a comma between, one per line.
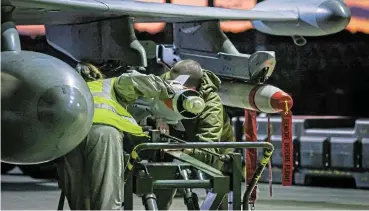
x=19, y=192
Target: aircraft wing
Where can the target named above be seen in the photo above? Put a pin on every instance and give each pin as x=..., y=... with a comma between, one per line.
x=29, y=12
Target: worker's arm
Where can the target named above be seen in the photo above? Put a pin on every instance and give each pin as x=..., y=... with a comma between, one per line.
x=210, y=126
x=130, y=86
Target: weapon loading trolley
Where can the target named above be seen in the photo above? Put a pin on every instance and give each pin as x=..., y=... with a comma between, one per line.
x=156, y=179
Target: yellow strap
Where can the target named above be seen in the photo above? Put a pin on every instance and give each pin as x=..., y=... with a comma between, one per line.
x=129, y=166
x=134, y=154
x=286, y=106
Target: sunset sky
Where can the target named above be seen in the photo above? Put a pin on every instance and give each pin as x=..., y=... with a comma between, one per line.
x=359, y=20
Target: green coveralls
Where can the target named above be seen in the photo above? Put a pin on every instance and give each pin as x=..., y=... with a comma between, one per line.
x=212, y=125
x=92, y=174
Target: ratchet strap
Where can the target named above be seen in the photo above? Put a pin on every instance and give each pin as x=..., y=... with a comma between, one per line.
x=131, y=162
x=270, y=162
x=287, y=147
x=251, y=155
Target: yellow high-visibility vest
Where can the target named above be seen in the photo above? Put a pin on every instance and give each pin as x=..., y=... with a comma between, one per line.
x=107, y=109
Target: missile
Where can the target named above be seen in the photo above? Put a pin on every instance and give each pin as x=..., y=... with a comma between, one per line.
x=46, y=110
x=185, y=104
x=262, y=98
x=315, y=17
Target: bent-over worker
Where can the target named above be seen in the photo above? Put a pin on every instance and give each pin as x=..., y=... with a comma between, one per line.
x=92, y=175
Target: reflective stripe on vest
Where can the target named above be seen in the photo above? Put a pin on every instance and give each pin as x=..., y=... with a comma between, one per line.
x=108, y=111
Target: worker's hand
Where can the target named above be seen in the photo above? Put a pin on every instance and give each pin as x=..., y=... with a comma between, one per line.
x=162, y=126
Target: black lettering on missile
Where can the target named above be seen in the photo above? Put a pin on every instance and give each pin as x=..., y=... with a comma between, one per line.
x=286, y=154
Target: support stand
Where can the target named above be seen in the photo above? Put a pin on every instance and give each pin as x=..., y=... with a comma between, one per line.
x=190, y=198
x=201, y=176
x=149, y=201
x=61, y=201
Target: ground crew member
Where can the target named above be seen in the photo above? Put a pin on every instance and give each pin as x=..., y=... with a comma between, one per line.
x=213, y=124
x=92, y=175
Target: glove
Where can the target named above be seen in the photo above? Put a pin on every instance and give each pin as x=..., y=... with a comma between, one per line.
x=89, y=72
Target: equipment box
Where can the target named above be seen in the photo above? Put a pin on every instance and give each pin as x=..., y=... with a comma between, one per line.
x=362, y=128
x=314, y=152
x=276, y=126
x=365, y=153
x=345, y=153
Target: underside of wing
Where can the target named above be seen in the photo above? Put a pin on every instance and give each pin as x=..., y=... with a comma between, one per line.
x=29, y=12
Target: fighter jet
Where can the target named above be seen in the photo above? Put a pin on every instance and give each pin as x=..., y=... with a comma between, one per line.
x=50, y=109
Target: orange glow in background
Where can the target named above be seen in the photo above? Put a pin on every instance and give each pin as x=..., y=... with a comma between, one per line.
x=203, y=3
x=151, y=28
x=235, y=26
x=357, y=24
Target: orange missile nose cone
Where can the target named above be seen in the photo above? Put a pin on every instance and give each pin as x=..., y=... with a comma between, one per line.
x=281, y=101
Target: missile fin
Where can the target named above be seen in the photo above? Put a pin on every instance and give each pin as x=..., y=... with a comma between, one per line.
x=182, y=79
x=179, y=126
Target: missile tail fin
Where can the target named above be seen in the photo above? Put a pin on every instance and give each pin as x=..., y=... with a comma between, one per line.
x=182, y=79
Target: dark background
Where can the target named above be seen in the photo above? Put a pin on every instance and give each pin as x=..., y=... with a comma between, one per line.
x=327, y=76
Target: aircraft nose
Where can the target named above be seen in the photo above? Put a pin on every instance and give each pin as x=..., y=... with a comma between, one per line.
x=333, y=16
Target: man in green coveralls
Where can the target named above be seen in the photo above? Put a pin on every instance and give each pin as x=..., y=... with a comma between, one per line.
x=213, y=124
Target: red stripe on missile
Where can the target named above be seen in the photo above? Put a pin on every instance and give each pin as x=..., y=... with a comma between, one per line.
x=252, y=97
x=169, y=103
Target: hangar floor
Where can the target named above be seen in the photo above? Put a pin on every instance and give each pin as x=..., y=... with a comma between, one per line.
x=19, y=192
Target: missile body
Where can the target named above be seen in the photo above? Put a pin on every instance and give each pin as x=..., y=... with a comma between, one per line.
x=186, y=104
x=315, y=17
x=262, y=98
